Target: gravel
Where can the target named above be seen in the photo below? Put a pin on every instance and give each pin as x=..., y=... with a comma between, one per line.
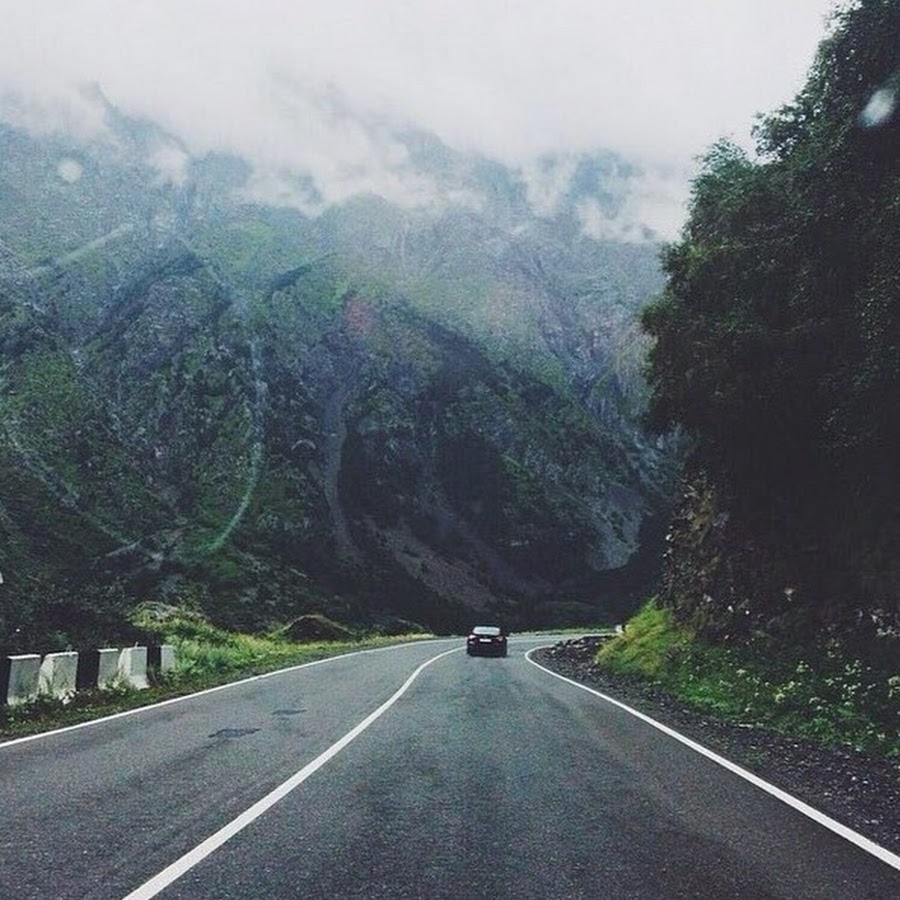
x=859, y=791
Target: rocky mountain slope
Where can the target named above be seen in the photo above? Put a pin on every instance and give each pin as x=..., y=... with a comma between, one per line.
x=381, y=413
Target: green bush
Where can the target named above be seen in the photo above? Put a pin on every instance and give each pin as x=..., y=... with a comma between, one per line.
x=651, y=642
x=819, y=690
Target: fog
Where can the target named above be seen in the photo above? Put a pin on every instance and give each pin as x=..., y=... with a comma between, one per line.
x=322, y=88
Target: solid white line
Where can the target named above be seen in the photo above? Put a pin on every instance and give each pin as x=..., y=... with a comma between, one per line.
x=849, y=834
x=190, y=859
x=222, y=687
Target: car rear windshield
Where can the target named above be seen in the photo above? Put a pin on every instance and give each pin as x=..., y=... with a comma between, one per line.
x=486, y=630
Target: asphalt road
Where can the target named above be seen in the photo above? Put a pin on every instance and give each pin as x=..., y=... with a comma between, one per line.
x=484, y=778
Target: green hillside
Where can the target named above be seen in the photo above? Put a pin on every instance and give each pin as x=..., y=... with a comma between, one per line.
x=377, y=414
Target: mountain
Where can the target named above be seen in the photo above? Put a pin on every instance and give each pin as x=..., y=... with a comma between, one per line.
x=217, y=390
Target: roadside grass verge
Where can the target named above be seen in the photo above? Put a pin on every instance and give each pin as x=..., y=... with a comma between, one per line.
x=820, y=690
x=206, y=657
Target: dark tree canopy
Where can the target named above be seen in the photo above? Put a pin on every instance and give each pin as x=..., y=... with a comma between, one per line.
x=777, y=339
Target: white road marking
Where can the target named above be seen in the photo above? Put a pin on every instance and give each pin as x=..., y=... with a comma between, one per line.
x=849, y=834
x=190, y=859
x=222, y=687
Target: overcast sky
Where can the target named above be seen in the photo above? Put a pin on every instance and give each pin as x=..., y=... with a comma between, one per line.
x=315, y=84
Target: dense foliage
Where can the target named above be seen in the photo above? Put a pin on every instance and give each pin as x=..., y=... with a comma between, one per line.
x=777, y=350
x=822, y=690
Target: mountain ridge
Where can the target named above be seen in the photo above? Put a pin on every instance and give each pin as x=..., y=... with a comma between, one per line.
x=372, y=413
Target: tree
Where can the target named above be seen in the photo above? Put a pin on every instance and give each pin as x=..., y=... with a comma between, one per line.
x=777, y=338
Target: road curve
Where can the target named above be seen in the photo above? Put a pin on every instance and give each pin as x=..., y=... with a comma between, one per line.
x=482, y=778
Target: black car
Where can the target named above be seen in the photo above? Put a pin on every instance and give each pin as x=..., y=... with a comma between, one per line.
x=486, y=640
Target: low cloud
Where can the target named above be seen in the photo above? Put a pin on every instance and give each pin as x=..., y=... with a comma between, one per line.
x=171, y=163
x=313, y=95
x=69, y=170
x=547, y=182
x=648, y=207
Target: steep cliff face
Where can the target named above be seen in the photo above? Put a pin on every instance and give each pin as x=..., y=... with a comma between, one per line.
x=726, y=578
x=373, y=413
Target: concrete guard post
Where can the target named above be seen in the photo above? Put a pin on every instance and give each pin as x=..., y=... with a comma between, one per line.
x=24, y=673
x=107, y=667
x=166, y=658
x=57, y=675
x=133, y=667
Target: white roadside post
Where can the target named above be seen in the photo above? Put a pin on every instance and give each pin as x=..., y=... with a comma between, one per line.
x=133, y=667
x=107, y=667
x=166, y=658
x=24, y=673
x=57, y=675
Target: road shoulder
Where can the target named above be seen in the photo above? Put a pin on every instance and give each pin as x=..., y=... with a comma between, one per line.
x=860, y=791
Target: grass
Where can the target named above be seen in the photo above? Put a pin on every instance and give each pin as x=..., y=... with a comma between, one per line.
x=206, y=657
x=820, y=690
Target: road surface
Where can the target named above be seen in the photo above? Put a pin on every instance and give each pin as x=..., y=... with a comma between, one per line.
x=407, y=772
